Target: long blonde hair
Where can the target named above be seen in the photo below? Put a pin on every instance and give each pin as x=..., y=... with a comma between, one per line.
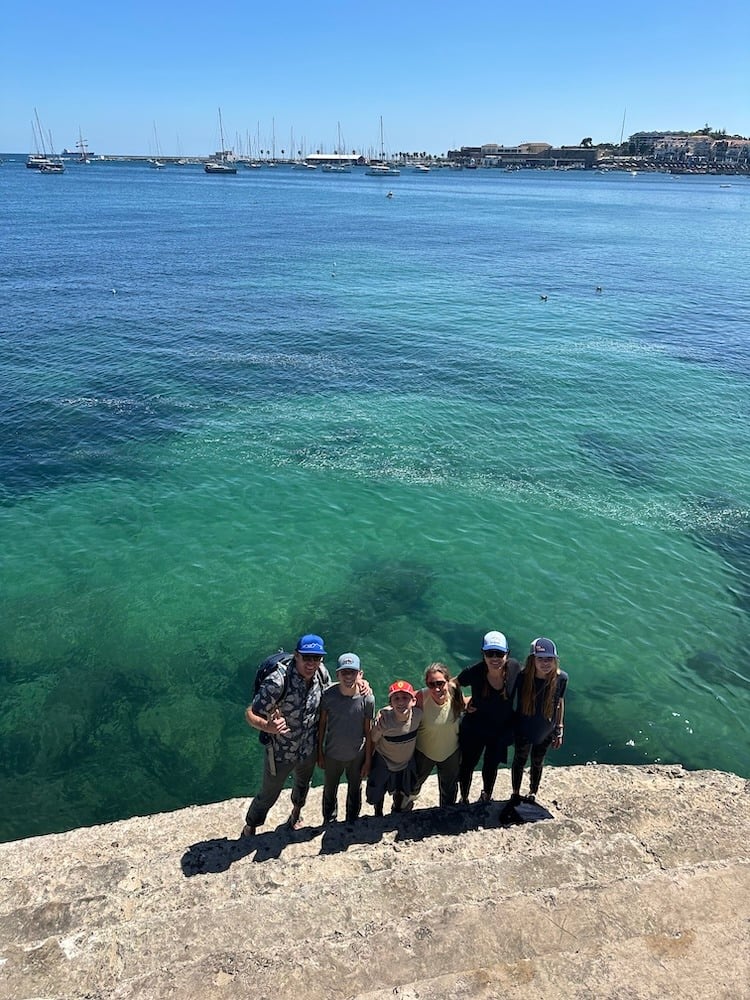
x=528, y=701
x=454, y=689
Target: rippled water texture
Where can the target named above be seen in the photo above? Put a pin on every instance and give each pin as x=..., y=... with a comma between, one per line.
x=236, y=409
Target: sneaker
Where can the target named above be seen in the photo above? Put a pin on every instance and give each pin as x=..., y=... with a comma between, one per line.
x=531, y=798
x=485, y=797
x=248, y=830
x=515, y=799
x=463, y=801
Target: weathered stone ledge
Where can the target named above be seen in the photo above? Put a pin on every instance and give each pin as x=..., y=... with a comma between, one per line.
x=637, y=886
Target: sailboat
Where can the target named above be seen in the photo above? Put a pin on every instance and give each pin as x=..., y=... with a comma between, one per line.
x=41, y=161
x=220, y=166
x=341, y=165
x=381, y=168
x=272, y=162
x=83, y=149
x=156, y=162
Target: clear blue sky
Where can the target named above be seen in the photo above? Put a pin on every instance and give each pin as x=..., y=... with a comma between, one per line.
x=442, y=74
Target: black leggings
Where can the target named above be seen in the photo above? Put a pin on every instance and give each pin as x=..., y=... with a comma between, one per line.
x=521, y=755
x=473, y=743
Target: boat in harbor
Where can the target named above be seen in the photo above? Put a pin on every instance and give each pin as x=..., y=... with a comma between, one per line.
x=46, y=163
x=81, y=153
x=35, y=161
x=339, y=162
x=381, y=167
x=220, y=164
x=382, y=170
x=219, y=167
x=156, y=162
x=82, y=147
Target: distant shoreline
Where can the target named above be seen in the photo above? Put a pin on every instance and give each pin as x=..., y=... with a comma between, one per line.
x=629, y=165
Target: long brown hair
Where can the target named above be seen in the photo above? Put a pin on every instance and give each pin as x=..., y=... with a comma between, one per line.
x=528, y=701
x=454, y=689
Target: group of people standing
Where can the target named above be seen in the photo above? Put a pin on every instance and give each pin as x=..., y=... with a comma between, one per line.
x=306, y=719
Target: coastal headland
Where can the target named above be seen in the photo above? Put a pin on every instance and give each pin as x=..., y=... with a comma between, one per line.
x=628, y=882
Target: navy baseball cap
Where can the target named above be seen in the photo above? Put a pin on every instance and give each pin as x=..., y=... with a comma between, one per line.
x=311, y=644
x=544, y=648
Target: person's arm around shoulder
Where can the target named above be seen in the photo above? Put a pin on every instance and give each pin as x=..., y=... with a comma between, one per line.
x=464, y=679
x=363, y=688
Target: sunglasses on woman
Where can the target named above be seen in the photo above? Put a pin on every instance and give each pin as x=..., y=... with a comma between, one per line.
x=436, y=684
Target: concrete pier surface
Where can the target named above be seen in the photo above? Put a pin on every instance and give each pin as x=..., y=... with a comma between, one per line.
x=623, y=882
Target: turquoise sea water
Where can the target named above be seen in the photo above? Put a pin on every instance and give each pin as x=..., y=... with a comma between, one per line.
x=239, y=408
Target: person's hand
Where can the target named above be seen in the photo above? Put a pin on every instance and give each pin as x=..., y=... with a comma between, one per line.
x=470, y=706
x=276, y=724
x=363, y=687
x=365, y=772
x=557, y=739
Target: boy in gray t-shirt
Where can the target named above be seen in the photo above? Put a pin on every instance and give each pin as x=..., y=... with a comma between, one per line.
x=344, y=738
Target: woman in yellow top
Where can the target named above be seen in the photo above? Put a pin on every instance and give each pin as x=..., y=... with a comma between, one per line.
x=442, y=704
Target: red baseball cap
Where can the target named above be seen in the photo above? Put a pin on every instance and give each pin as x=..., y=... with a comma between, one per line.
x=400, y=686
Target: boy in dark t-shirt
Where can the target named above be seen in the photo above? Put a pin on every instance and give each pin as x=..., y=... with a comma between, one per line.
x=344, y=738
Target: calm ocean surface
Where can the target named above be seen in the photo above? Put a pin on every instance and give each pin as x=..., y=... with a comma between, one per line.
x=239, y=408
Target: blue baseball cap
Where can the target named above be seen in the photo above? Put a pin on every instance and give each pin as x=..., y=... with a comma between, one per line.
x=544, y=648
x=311, y=644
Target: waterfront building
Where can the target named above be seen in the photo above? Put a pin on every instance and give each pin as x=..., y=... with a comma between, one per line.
x=526, y=154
